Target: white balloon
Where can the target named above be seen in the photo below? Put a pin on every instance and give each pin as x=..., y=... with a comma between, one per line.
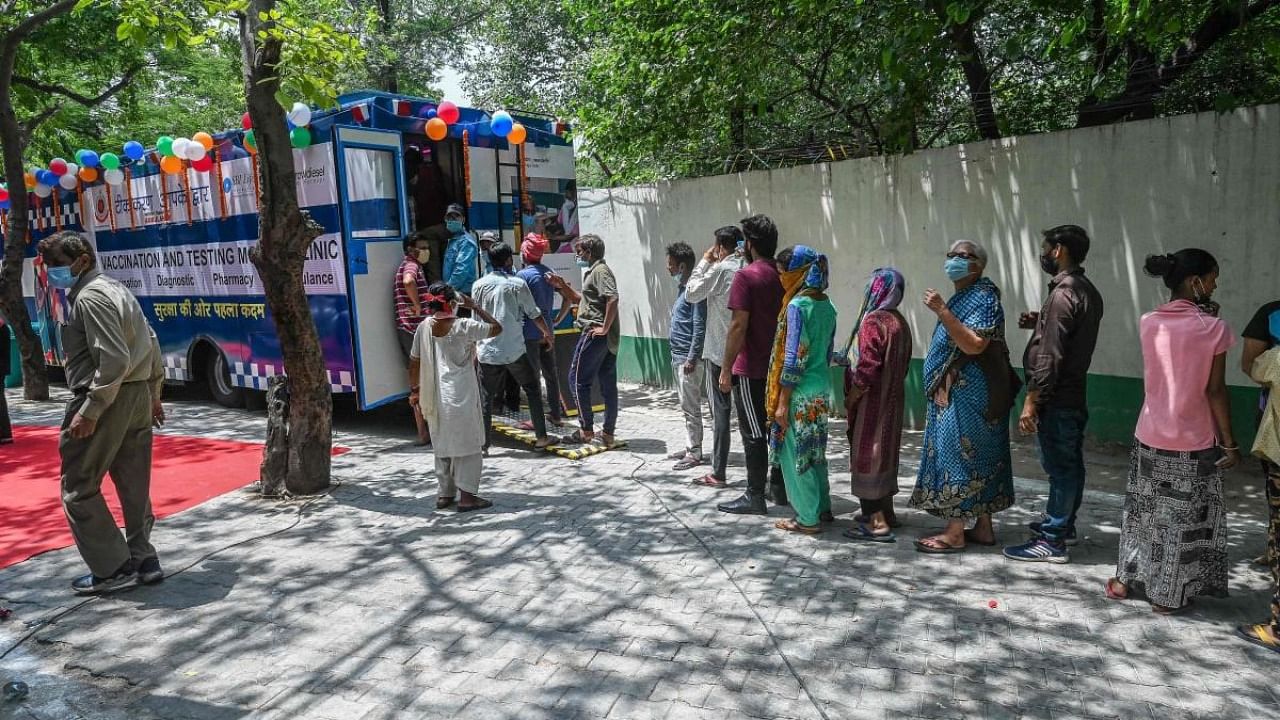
x=114, y=178
x=300, y=114
x=68, y=182
x=180, y=147
x=43, y=190
x=72, y=169
x=196, y=151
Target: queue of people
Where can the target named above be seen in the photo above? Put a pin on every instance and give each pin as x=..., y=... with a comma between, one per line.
x=769, y=333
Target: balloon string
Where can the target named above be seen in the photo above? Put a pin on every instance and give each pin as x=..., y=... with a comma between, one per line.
x=80, y=204
x=524, y=190
x=111, y=208
x=466, y=166
x=184, y=183
x=57, y=210
x=217, y=185
x=128, y=196
x=256, y=201
x=164, y=190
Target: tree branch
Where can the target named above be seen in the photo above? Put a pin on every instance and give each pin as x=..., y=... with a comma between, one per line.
x=29, y=25
x=68, y=93
x=977, y=76
x=1224, y=20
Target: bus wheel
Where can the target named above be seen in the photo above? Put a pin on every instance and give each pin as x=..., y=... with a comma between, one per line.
x=218, y=378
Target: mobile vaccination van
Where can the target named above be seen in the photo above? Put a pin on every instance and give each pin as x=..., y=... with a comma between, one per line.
x=370, y=176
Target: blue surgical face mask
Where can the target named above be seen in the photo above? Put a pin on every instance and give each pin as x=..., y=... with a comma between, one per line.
x=529, y=221
x=742, y=246
x=582, y=263
x=957, y=269
x=61, y=277
x=454, y=226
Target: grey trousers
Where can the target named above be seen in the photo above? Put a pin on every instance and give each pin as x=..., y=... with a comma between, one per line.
x=458, y=473
x=120, y=445
x=721, y=403
x=689, y=390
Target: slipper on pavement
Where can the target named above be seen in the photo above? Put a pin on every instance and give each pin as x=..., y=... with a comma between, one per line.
x=795, y=527
x=480, y=504
x=938, y=547
x=710, y=481
x=1261, y=635
x=862, y=532
x=971, y=538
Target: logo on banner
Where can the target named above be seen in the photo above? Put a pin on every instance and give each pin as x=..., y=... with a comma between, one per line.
x=227, y=185
x=101, y=213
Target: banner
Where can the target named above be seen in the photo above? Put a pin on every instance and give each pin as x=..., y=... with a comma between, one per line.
x=313, y=172
x=220, y=268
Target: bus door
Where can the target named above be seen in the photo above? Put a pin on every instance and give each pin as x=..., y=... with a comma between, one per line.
x=371, y=194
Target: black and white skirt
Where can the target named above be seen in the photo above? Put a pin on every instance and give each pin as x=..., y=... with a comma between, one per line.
x=1173, y=541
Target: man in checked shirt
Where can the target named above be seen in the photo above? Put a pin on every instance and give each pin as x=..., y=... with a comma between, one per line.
x=115, y=374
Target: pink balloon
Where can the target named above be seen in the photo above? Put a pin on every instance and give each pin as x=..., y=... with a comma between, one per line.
x=448, y=112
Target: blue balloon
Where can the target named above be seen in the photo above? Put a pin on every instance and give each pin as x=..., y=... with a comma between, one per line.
x=46, y=177
x=431, y=112
x=501, y=123
x=134, y=150
x=4, y=204
x=89, y=159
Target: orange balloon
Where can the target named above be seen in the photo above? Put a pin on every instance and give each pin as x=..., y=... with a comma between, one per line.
x=517, y=134
x=29, y=180
x=204, y=139
x=88, y=174
x=171, y=165
x=437, y=129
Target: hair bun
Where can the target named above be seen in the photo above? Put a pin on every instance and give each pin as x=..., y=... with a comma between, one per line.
x=1160, y=266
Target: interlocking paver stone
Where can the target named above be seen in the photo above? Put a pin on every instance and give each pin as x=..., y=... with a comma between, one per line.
x=585, y=594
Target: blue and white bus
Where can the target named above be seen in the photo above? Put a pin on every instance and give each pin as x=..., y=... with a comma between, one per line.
x=181, y=241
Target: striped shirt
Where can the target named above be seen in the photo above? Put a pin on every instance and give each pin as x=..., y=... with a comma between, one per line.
x=405, y=319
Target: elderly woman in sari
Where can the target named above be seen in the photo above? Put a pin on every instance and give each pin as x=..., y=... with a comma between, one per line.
x=966, y=472
x=799, y=387
x=874, y=396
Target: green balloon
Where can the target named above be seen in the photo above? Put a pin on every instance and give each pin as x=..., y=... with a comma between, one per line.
x=110, y=161
x=164, y=145
x=300, y=137
x=249, y=140
x=80, y=156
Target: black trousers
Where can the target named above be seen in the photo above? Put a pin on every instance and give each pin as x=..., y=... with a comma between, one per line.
x=753, y=424
x=6, y=430
x=493, y=383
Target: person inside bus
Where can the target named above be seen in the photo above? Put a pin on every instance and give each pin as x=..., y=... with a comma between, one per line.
x=567, y=218
x=410, y=285
x=462, y=261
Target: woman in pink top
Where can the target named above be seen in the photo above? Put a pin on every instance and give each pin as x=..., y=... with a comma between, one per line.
x=1172, y=541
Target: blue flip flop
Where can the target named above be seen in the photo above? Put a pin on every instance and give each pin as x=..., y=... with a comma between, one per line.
x=862, y=532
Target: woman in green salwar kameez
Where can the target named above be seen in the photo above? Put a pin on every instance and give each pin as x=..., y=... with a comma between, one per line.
x=799, y=388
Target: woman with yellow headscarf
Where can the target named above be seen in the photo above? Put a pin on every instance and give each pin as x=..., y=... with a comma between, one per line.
x=799, y=387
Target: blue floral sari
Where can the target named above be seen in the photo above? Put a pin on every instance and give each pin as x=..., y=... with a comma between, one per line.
x=965, y=465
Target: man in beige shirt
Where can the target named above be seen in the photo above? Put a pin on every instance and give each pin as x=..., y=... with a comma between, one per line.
x=115, y=375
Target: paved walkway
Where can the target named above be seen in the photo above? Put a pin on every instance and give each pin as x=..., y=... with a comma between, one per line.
x=609, y=588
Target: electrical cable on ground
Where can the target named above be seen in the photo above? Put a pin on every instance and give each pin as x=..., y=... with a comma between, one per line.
x=777, y=644
x=37, y=625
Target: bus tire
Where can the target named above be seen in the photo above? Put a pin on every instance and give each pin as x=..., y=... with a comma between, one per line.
x=218, y=379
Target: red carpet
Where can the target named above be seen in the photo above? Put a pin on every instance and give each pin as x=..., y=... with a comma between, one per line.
x=186, y=471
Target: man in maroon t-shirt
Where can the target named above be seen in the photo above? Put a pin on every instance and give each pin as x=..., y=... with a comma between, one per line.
x=410, y=287
x=755, y=297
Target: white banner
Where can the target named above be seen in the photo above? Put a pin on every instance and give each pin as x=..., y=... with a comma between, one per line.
x=148, y=196
x=555, y=161
x=220, y=268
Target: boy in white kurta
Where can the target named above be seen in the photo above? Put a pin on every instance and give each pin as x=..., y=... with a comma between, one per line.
x=442, y=375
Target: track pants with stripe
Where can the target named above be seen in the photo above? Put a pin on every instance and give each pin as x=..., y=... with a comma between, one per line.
x=753, y=424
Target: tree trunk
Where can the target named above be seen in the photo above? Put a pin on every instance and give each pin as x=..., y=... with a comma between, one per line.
x=389, y=73
x=976, y=73
x=275, y=457
x=13, y=139
x=285, y=234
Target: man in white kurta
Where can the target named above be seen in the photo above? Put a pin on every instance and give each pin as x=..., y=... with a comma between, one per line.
x=449, y=395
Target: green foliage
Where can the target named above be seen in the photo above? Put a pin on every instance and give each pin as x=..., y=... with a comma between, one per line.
x=665, y=88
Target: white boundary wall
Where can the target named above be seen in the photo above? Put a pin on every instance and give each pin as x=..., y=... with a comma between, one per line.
x=1205, y=180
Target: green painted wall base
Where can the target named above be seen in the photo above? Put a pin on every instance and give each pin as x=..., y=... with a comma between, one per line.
x=1114, y=402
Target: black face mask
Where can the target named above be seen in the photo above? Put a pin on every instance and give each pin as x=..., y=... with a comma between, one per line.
x=1048, y=264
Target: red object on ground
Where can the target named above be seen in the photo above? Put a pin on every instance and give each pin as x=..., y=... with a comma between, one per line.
x=993, y=604
x=186, y=471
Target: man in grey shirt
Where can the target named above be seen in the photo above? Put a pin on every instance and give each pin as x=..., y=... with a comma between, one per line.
x=115, y=374
x=710, y=281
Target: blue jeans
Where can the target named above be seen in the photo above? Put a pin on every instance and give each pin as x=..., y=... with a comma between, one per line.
x=1061, y=441
x=592, y=361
